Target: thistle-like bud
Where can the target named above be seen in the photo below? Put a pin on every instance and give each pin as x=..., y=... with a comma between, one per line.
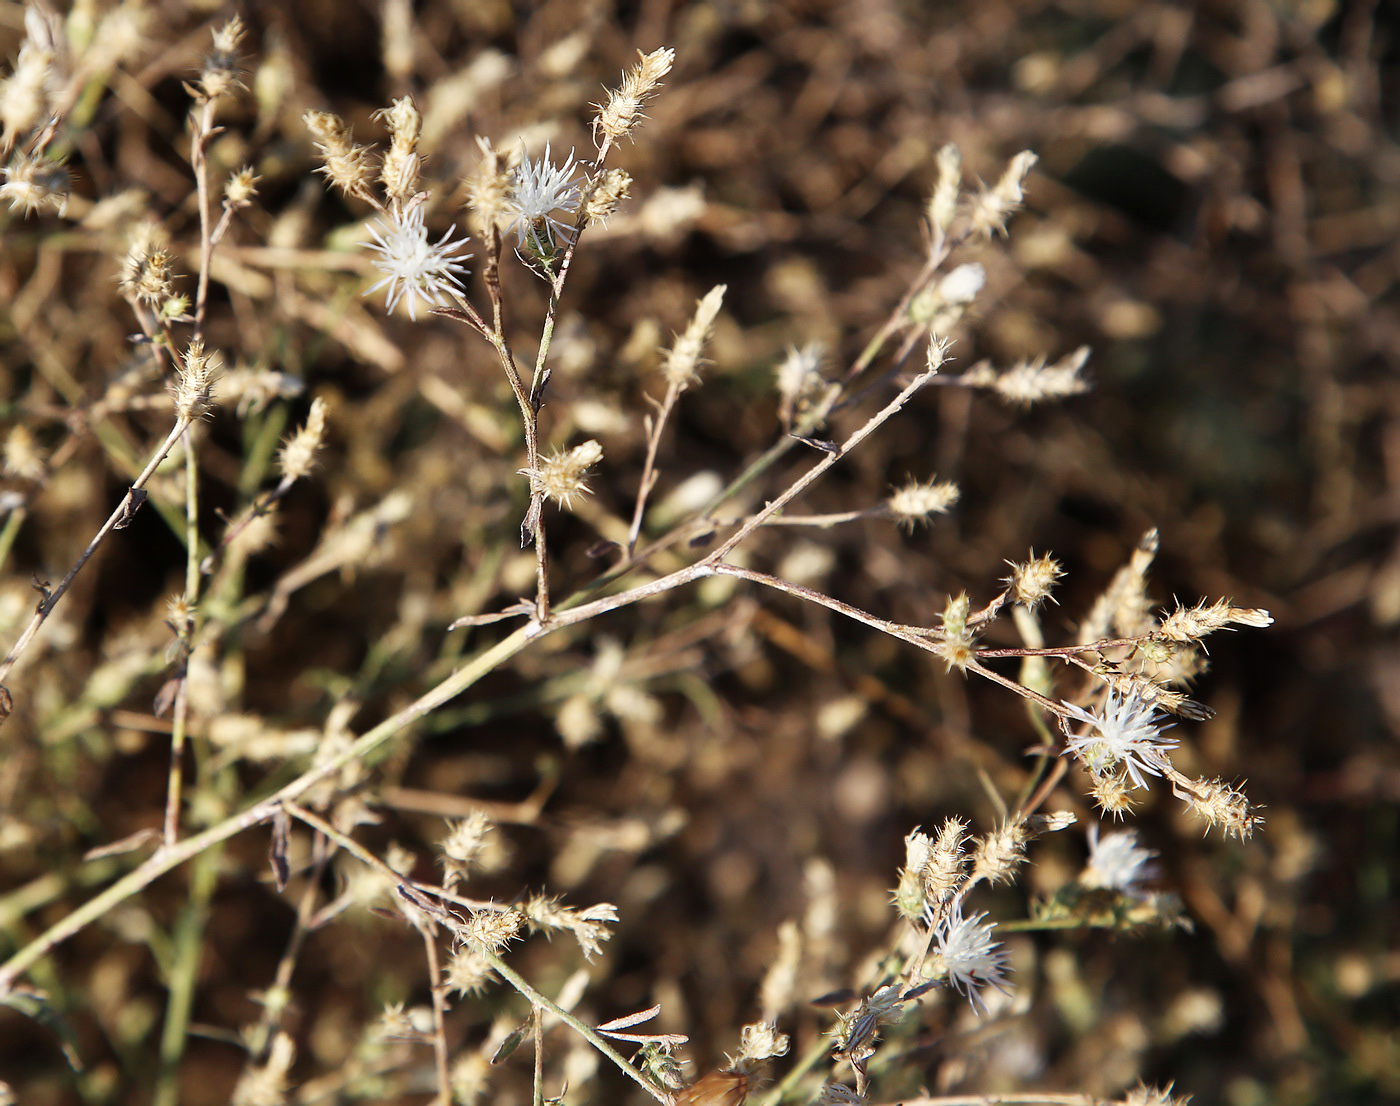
x=399, y=173
x=994, y=206
x=297, y=458
x=34, y=183
x=943, y=203
x=910, y=896
x=146, y=268
x=24, y=93
x=1223, y=805
x=560, y=475
x=611, y=189
x=1030, y=583
x=956, y=646
x=1000, y=853
x=346, y=164
x=916, y=501
x=683, y=360
x=623, y=111
x=489, y=189
x=220, y=73
x=492, y=930
x=1030, y=382
x=193, y=390
x=1192, y=623
x=241, y=188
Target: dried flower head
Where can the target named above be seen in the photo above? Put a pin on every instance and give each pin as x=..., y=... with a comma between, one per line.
x=1030, y=382
x=492, y=930
x=992, y=207
x=193, y=389
x=23, y=456
x=538, y=189
x=220, y=73
x=612, y=188
x=24, y=97
x=297, y=458
x=488, y=189
x=1030, y=583
x=1126, y=735
x=1000, y=852
x=943, y=203
x=683, y=360
x=623, y=111
x=347, y=165
x=956, y=646
x=800, y=381
x=146, y=269
x=916, y=501
x=413, y=267
x=241, y=188
x=1221, y=804
x=560, y=476
x=35, y=183
x=1193, y=623
x=399, y=171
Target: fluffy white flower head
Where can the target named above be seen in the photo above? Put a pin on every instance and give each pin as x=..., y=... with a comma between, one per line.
x=1117, y=862
x=1128, y=731
x=539, y=189
x=969, y=954
x=412, y=266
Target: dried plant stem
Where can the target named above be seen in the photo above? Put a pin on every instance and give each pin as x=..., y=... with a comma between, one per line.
x=119, y=517
x=204, y=132
x=655, y=428
x=591, y=1035
x=437, y=990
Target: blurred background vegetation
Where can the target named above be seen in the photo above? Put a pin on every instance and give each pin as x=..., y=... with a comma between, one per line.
x=1215, y=212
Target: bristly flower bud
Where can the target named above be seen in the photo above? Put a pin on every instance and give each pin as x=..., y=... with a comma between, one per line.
x=1111, y=792
x=1030, y=583
x=220, y=73
x=612, y=188
x=994, y=206
x=193, y=390
x=623, y=111
x=916, y=501
x=910, y=897
x=1000, y=853
x=1030, y=382
x=399, y=173
x=488, y=189
x=1192, y=623
x=683, y=361
x=23, y=456
x=240, y=189
x=799, y=382
x=492, y=930
x=34, y=183
x=24, y=93
x=560, y=475
x=346, y=164
x=944, y=871
x=943, y=204
x=956, y=646
x=297, y=458
x=1222, y=805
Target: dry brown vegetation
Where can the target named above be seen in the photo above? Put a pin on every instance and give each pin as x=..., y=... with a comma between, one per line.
x=1214, y=212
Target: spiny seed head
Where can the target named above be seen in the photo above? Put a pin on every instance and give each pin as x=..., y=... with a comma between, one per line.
x=23, y=457
x=916, y=501
x=956, y=646
x=1220, y=804
x=24, y=93
x=623, y=112
x=612, y=188
x=194, y=382
x=399, y=172
x=1030, y=382
x=220, y=73
x=910, y=896
x=992, y=207
x=241, y=188
x=943, y=203
x=1000, y=853
x=1112, y=793
x=488, y=189
x=560, y=476
x=1192, y=623
x=1030, y=583
x=683, y=361
x=297, y=458
x=347, y=165
x=492, y=930
x=34, y=183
